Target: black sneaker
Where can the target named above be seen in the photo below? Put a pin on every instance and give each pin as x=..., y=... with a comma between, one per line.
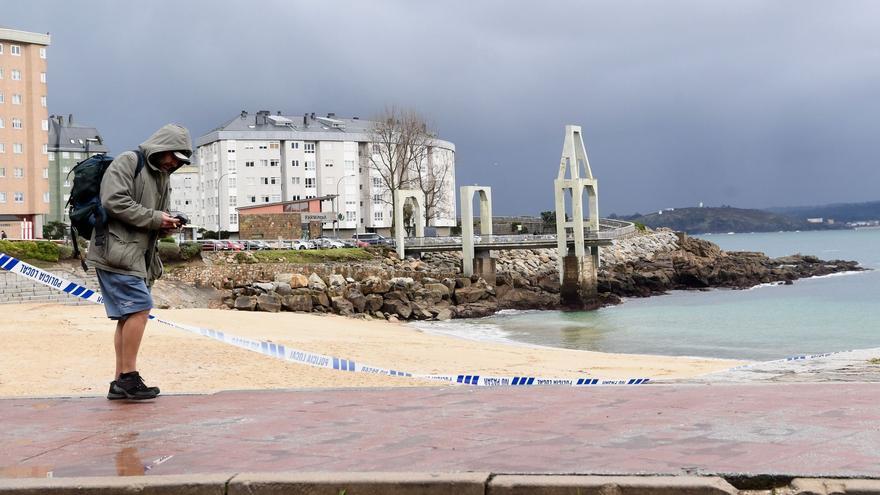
x=131, y=386
x=112, y=394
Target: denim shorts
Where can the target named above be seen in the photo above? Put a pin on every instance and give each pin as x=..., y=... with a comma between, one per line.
x=123, y=294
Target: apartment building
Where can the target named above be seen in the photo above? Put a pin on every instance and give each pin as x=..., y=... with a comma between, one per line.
x=69, y=143
x=265, y=158
x=24, y=134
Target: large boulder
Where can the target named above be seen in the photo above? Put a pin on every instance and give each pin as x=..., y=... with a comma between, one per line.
x=516, y=298
x=357, y=299
x=337, y=281
x=476, y=310
x=342, y=306
x=320, y=299
x=375, y=285
x=245, y=303
x=437, y=292
x=316, y=282
x=264, y=286
x=298, y=302
x=298, y=280
x=421, y=310
x=282, y=288
x=398, y=307
x=374, y=303
x=270, y=303
x=405, y=283
x=468, y=295
x=549, y=283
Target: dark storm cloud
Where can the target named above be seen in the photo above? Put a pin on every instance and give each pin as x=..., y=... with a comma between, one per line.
x=749, y=103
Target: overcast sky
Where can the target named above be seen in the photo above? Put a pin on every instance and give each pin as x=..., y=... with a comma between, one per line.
x=746, y=103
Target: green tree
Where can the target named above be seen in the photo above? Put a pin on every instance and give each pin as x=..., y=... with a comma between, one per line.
x=54, y=230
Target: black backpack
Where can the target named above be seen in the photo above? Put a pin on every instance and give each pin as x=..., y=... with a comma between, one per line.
x=84, y=205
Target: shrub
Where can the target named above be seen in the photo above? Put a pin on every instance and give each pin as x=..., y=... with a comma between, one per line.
x=190, y=251
x=65, y=252
x=168, y=239
x=639, y=226
x=169, y=252
x=30, y=250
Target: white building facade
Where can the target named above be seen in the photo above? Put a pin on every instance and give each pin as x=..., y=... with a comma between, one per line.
x=265, y=158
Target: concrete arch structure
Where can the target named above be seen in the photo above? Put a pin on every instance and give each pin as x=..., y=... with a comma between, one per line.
x=577, y=272
x=400, y=197
x=466, y=197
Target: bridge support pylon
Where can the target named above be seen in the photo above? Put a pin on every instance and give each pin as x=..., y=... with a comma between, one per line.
x=400, y=197
x=473, y=261
x=577, y=268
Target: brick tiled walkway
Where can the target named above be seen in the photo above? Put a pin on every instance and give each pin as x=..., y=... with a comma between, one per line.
x=792, y=429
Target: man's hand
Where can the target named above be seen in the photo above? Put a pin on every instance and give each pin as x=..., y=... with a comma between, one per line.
x=169, y=222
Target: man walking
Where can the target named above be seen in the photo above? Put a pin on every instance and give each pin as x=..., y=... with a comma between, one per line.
x=125, y=255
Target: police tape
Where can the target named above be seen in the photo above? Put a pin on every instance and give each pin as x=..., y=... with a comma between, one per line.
x=281, y=351
x=787, y=359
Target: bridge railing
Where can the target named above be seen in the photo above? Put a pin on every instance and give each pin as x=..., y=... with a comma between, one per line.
x=608, y=230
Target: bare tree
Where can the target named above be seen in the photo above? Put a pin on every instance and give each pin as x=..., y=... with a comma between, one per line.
x=432, y=177
x=400, y=141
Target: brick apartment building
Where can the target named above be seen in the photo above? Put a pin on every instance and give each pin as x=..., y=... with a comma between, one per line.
x=24, y=134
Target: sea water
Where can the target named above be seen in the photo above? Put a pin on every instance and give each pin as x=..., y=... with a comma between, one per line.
x=822, y=314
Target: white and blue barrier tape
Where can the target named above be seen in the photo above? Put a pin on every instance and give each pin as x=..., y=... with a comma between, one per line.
x=281, y=351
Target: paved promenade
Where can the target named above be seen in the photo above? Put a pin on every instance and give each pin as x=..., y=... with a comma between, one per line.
x=830, y=430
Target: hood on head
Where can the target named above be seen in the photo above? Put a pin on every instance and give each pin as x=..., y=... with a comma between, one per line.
x=170, y=137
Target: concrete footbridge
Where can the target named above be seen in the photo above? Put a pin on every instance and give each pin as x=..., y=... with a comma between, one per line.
x=609, y=230
x=577, y=240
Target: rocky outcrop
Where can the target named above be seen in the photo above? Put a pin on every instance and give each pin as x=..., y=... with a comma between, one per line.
x=433, y=289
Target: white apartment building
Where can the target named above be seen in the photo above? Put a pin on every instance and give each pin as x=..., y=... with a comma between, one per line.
x=265, y=158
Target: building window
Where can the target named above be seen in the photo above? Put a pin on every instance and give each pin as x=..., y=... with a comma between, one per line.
x=233, y=200
x=43, y=53
x=294, y=145
x=16, y=75
x=248, y=164
x=18, y=197
x=45, y=197
x=377, y=216
x=2, y=197
x=15, y=50
x=16, y=99
x=45, y=173
x=274, y=145
x=376, y=149
x=294, y=181
x=328, y=163
x=233, y=218
x=1, y=48
x=294, y=163
x=310, y=182
x=377, y=182
x=51, y=157
x=349, y=166
x=295, y=197
x=45, y=149
x=262, y=146
x=42, y=101
x=350, y=216
x=2, y=171
x=65, y=154
x=16, y=123
x=2, y=125
x=2, y=147
x=231, y=182
x=264, y=181
x=77, y=155
x=45, y=125
x=265, y=199
x=309, y=165
x=2, y=99
x=308, y=147
x=65, y=169
x=253, y=199
x=264, y=163
x=18, y=172
x=274, y=163
x=276, y=198
x=43, y=77
x=377, y=199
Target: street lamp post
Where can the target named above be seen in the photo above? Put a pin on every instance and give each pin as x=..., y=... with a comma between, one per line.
x=336, y=206
x=218, y=202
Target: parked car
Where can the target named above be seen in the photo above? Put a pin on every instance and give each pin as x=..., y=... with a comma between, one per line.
x=256, y=245
x=372, y=238
x=328, y=243
x=299, y=244
x=212, y=245
x=233, y=245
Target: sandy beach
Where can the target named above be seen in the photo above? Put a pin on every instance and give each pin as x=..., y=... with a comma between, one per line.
x=57, y=350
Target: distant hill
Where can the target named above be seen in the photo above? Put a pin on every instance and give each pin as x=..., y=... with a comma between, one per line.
x=840, y=212
x=721, y=220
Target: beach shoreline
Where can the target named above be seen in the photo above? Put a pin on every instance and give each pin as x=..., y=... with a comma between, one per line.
x=58, y=350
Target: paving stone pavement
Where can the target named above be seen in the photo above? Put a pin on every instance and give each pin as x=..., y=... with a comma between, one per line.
x=828, y=430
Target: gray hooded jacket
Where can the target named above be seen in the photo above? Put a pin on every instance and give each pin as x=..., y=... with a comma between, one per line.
x=134, y=206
